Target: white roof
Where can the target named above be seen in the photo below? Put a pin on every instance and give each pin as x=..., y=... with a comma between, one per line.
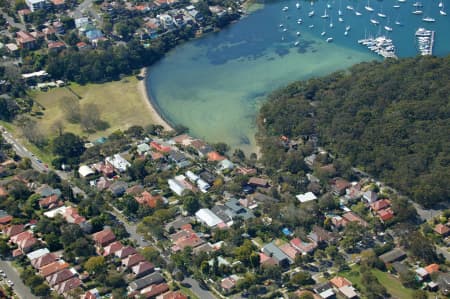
x=327, y=294
x=35, y=74
x=54, y=212
x=118, y=162
x=306, y=197
x=226, y=164
x=176, y=186
x=37, y=253
x=422, y=272
x=208, y=217
x=348, y=291
x=192, y=176
x=204, y=186
x=85, y=170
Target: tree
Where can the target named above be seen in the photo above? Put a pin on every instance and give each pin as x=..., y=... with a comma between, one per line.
x=71, y=109
x=191, y=204
x=90, y=118
x=221, y=147
x=301, y=278
x=41, y=290
x=69, y=146
x=95, y=265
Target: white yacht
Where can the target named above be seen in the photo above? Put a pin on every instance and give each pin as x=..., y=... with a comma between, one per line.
x=297, y=5
x=323, y=33
x=358, y=13
x=417, y=12
x=368, y=7
x=375, y=22
x=285, y=8
x=349, y=7
x=340, y=19
x=311, y=13
x=429, y=19
x=387, y=28
x=329, y=40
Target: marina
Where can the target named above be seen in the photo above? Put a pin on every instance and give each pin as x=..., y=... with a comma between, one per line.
x=380, y=45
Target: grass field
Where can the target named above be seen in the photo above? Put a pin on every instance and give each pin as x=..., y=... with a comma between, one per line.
x=120, y=105
x=390, y=282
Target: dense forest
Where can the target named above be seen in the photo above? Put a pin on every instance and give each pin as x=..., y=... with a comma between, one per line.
x=391, y=119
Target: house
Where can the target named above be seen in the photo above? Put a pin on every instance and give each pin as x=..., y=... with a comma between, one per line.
x=225, y=165
x=37, y=253
x=139, y=284
x=160, y=147
x=338, y=186
x=237, y=210
x=45, y=191
x=386, y=214
x=182, y=139
x=25, y=245
x=246, y=170
x=58, y=4
x=52, y=268
x=308, y=196
x=154, y=290
x=118, y=188
x=189, y=239
x=303, y=247
x=135, y=190
x=142, y=269
x=324, y=290
x=125, y=251
x=319, y=235
x=44, y=260
x=339, y=282
x=273, y=251
x=289, y=250
x=214, y=156
x=432, y=268
x=352, y=217
x=13, y=230
x=132, y=260
x=55, y=46
x=34, y=5
x=16, y=239
x=67, y=285
x=353, y=192
x=25, y=40
x=258, y=182
x=60, y=276
x=394, y=255
x=421, y=273
x=348, y=292
x=71, y=215
x=380, y=205
x=370, y=197
x=91, y=294
x=178, y=158
x=267, y=260
x=229, y=283
x=112, y=248
x=104, y=237
x=118, y=162
x=142, y=148
x=442, y=230
x=207, y=217
x=105, y=168
x=443, y=281
x=400, y=268
x=49, y=202
x=172, y=295
x=177, y=187
x=147, y=198
x=85, y=171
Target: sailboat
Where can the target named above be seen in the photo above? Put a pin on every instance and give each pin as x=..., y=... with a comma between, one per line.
x=339, y=10
x=387, y=27
x=429, y=19
x=375, y=22
x=323, y=31
x=297, y=5
x=325, y=14
x=349, y=7
x=357, y=13
x=417, y=4
x=442, y=11
x=331, y=23
x=368, y=7
x=340, y=19
x=381, y=14
x=311, y=13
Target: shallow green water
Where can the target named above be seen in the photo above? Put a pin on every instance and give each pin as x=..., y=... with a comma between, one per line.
x=215, y=85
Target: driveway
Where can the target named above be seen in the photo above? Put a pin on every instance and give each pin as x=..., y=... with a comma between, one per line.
x=19, y=287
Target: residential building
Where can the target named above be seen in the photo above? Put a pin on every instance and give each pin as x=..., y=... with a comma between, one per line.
x=132, y=260
x=273, y=251
x=207, y=217
x=139, y=284
x=308, y=196
x=143, y=268
x=118, y=162
x=34, y=5
x=104, y=237
x=25, y=40
x=394, y=255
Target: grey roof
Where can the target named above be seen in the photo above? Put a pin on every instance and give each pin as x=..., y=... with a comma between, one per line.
x=272, y=250
x=176, y=156
x=118, y=188
x=400, y=267
x=395, y=254
x=145, y=281
x=238, y=210
x=264, y=198
x=223, y=213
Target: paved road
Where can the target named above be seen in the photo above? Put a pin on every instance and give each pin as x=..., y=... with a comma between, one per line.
x=444, y=252
x=131, y=229
x=11, y=21
x=19, y=287
x=85, y=8
x=195, y=287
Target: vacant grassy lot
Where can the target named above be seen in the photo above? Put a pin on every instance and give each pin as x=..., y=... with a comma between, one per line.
x=119, y=104
x=390, y=282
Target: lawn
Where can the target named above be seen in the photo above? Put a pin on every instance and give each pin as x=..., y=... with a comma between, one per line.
x=391, y=283
x=119, y=102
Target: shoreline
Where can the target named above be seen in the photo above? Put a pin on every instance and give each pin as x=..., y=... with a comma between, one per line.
x=154, y=113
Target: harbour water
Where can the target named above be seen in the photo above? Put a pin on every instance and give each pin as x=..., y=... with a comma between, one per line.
x=214, y=85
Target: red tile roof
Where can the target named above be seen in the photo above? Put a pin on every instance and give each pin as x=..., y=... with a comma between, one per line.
x=125, y=251
x=172, y=295
x=432, y=268
x=104, y=237
x=215, y=156
x=22, y=236
x=340, y=282
x=352, y=217
x=53, y=268
x=59, y=277
x=154, y=290
x=68, y=285
x=289, y=250
x=6, y=219
x=258, y=182
x=266, y=260
x=112, y=248
x=13, y=230
x=148, y=199
x=143, y=267
x=46, y=202
x=380, y=204
x=44, y=260
x=132, y=260
x=442, y=229
x=386, y=214
x=71, y=215
x=303, y=247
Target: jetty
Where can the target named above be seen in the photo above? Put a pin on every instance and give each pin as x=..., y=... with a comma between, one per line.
x=425, y=39
x=381, y=45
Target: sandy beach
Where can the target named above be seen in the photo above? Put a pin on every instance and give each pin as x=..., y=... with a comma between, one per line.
x=157, y=119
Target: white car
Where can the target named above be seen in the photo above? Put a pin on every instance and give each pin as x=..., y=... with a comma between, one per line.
x=9, y=282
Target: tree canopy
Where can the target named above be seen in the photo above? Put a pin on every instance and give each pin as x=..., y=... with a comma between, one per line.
x=390, y=118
